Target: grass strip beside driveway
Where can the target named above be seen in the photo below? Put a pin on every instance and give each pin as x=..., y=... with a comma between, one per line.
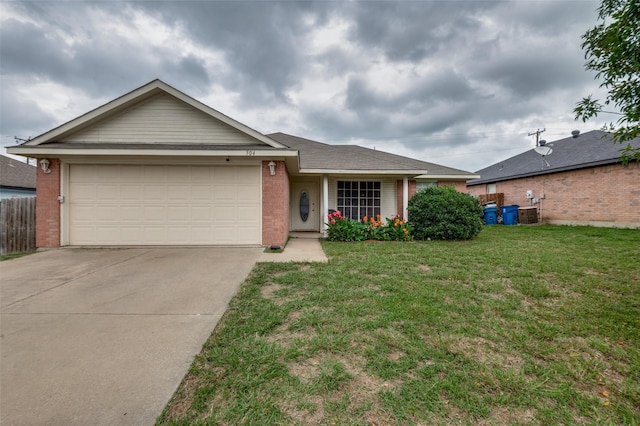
x=521, y=325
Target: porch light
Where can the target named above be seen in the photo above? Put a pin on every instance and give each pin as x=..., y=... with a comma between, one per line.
x=272, y=168
x=44, y=164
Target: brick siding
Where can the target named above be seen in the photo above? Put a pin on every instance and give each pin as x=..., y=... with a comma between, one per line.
x=48, y=206
x=459, y=185
x=275, y=205
x=600, y=196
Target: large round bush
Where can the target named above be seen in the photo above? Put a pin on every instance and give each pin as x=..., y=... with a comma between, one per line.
x=442, y=213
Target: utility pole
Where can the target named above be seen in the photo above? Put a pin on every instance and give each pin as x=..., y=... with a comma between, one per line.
x=537, y=133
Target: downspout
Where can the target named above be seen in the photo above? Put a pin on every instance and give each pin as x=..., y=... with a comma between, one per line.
x=405, y=198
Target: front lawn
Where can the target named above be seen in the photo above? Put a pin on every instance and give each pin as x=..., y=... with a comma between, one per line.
x=521, y=325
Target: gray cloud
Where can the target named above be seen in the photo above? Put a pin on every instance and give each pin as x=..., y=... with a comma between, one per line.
x=453, y=72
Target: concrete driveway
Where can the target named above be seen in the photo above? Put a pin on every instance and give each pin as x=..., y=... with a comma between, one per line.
x=104, y=336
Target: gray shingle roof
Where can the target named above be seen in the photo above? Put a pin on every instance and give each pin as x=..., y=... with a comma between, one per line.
x=16, y=174
x=317, y=155
x=594, y=148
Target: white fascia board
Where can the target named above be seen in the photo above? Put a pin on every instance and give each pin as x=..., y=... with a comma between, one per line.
x=450, y=177
x=43, y=151
x=137, y=95
x=363, y=172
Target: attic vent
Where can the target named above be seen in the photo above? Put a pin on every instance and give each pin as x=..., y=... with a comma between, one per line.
x=542, y=142
x=575, y=133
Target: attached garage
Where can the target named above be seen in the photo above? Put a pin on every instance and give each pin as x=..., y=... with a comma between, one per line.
x=164, y=205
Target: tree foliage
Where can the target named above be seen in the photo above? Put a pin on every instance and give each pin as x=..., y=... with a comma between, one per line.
x=612, y=50
x=442, y=213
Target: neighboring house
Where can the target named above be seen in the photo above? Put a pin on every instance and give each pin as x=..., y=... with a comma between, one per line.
x=17, y=178
x=157, y=167
x=582, y=182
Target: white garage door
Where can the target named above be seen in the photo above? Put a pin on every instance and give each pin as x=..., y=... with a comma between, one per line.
x=164, y=205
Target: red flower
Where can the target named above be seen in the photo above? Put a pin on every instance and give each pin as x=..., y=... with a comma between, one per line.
x=333, y=222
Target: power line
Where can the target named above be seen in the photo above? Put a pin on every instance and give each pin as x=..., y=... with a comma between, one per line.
x=537, y=133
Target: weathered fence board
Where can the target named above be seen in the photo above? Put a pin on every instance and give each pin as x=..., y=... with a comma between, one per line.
x=17, y=225
x=495, y=198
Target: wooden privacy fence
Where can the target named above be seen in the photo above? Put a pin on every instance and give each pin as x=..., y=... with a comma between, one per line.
x=495, y=198
x=17, y=225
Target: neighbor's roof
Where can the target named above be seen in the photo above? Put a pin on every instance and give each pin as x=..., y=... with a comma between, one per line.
x=16, y=174
x=322, y=157
x=591, y=149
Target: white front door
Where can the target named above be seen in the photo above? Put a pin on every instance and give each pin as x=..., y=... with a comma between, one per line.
x=304, y=206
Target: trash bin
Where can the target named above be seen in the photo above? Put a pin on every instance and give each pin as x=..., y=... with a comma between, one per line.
x=491, y=215
x=509, y=215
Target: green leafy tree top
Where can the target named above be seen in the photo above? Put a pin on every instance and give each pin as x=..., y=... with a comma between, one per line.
x=612, y=50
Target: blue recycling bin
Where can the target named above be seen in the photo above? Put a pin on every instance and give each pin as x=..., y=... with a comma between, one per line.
x=509, y=215
x=490, y=215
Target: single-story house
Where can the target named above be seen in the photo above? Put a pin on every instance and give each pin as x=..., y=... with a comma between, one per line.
x=157, y=167
x=580, y=182
x=17, y=178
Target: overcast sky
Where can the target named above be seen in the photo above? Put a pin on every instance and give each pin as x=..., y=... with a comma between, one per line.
x=458, y=83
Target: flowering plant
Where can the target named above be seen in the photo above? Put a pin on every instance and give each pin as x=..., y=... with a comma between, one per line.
x=340, y=228
x=398, y=229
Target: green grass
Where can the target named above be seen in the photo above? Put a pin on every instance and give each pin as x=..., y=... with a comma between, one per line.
x=522, y=325
x=15, y=255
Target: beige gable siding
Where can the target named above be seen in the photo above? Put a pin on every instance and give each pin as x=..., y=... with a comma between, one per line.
x=388, y=192
x=161, y=119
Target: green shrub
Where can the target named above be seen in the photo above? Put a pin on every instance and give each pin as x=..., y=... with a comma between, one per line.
x=442, y=213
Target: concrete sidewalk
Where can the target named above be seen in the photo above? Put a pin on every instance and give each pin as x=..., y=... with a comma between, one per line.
x=301, y=247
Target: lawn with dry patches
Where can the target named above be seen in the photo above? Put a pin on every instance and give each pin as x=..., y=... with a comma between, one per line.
x=522, y=325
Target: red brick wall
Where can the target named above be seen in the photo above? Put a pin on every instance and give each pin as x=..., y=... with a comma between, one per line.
x=606, y=196
x=459, y=185
x=275, y=205
x=48, y=206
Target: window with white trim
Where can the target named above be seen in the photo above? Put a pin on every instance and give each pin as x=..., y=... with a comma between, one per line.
x=357, y=199
x=425, y=184
x=491, y=188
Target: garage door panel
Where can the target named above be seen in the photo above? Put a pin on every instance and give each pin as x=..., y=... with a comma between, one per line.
x=178, y=213
x=248, y=214
x=131, y=192
x=248, y=193
x=131, y=173
x=201, y=213
x=154, y=192
x=130, y=213
x=164, y=205
x=225, y=192
x=83, y=191
x=246, y=233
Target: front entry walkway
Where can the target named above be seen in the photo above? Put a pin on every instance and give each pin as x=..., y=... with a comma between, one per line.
x=301, y=247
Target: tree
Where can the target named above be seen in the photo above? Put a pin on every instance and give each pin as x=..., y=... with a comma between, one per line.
x=612, y=50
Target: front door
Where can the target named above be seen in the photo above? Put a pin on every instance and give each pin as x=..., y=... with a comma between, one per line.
x=304, y=208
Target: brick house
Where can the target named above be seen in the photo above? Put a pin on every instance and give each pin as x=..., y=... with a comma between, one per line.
x=582, y=182
x=157, y=167
x=17, y=179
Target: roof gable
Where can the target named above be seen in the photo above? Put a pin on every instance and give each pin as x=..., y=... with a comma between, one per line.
x=591, y=149
x=155, y=113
